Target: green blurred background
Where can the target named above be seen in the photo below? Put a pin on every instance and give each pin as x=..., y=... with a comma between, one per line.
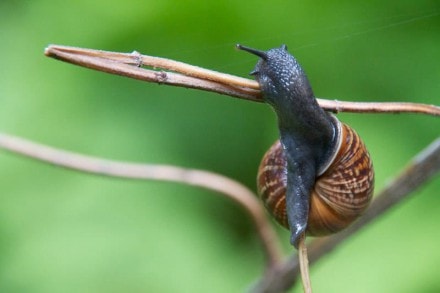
x=63, y=231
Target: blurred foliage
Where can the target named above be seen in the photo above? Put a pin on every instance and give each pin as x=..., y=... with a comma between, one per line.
x=62, y=231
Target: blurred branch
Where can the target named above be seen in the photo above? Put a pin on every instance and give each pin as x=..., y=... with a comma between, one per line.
x=189, y=76
x=208, y=180
x=422, y=168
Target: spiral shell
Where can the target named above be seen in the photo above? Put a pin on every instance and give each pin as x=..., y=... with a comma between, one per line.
x=340, y=194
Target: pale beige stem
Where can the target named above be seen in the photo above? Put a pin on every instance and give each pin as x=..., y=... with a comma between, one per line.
x=304, y=264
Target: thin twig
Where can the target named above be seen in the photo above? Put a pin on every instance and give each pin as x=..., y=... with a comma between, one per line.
x=185, y=75
x=304, y=264
x=422, y=168
x=378, y=107
x=205, y=179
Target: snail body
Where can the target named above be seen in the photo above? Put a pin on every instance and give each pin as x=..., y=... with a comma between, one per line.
x=339, y=195
x=318, y=177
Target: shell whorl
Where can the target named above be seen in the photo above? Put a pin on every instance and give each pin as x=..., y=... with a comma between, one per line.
x=340, y=195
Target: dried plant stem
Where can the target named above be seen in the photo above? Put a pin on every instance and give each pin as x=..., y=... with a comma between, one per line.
x=422, y=168
x=304, y=264
x=185, y=75
x=208, y=180
x=379, y=107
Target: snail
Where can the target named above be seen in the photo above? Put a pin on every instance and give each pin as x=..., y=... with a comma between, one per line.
x=318, y=177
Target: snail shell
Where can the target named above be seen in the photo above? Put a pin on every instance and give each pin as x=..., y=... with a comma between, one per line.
x=340, y=194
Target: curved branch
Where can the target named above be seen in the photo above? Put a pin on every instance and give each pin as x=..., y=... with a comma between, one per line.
x=205, y=179
x=422, y=168
x=185, y=75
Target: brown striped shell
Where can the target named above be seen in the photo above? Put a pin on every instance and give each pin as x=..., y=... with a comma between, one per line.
x=340, y=194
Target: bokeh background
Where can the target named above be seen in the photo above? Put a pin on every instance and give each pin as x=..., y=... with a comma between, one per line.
x=64, y=231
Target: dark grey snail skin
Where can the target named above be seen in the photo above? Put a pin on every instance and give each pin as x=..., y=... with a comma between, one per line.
x=308, y=134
